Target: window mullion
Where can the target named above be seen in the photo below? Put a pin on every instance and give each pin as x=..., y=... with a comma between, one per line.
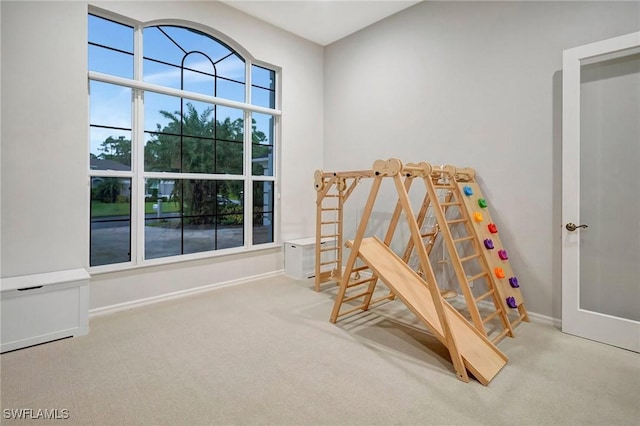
x=143, y=85
x=138, y=219
x=247, y=167
x=248, y=183
x=196, y=176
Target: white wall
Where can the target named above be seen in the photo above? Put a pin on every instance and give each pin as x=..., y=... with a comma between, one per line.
x=45, y=130
x=471, y=84
x=44, y=106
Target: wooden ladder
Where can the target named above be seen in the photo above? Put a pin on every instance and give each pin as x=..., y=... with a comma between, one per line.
x=332, y=191
x=429, y=235
x=493, y=252
x=329, y=219
x=465, y=252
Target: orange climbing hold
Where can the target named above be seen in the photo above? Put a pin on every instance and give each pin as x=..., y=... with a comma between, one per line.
x=499, y=272
x=477, y=216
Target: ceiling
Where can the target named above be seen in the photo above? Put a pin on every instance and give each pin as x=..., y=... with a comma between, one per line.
x=321, y=21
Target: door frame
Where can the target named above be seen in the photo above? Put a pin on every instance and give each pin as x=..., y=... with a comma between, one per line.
x=591, y=325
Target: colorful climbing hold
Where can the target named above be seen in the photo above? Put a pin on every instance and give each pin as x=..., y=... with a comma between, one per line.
x=499, y=272
x=482, y=203
x=511, y=302
x=493, y=228
x=502, y=254
x=488, y=244
x=513, y=281
x=467, y=190
x=477, y=216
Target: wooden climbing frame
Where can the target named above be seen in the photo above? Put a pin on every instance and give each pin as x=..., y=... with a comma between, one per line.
x=469, y=348
x=452, y=213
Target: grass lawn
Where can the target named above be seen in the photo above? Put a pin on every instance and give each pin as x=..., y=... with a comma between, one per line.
x=100, y=209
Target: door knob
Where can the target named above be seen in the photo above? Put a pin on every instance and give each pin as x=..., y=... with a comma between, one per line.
x=572, y=226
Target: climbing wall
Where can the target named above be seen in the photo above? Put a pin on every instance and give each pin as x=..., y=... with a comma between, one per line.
x=496, y=255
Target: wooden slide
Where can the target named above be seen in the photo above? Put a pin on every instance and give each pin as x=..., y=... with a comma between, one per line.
x=481, y=357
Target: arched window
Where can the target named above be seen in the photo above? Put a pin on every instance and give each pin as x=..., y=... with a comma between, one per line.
x=182, y=144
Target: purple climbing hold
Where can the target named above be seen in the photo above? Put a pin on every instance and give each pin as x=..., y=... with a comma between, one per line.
x=488, y=244
x=503, y=254
x=514, y=282
x=511, y=302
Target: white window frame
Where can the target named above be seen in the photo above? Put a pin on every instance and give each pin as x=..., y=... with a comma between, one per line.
x=138, y=175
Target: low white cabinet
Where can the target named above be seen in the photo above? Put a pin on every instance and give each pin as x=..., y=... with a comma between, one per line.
x=300, y=257
x=40, y=308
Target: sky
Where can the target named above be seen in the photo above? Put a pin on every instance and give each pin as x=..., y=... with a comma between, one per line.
x=110, y=105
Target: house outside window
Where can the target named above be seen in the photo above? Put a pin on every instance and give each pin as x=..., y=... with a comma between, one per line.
x=182, y=145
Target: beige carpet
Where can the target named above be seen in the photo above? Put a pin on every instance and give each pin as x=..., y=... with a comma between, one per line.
x=265, y=353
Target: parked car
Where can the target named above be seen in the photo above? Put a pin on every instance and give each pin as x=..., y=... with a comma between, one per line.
x=227, y=201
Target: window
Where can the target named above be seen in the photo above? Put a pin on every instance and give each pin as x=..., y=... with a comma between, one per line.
x=182, y=144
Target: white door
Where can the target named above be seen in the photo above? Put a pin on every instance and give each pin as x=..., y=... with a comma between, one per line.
x=601, y=191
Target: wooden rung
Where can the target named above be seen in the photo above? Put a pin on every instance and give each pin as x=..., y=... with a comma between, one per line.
x=473, y=256
x=357, y=296
x=360, y=268
x=381, y=298
x=332, y=209
x=332, y=222
x=451, y=203
x=440, y=186
x=357, y=308
x=470, y=237
x=330, y=249
x=491, y=316
x=428, y=234
x=331, y=195
x=475, y=277
x=485, y=295
x=456, y=221
x=359, y=282
x=325, y=274
x=331, y=262
x=500, y=336
x=517, y=321
x=329, y=236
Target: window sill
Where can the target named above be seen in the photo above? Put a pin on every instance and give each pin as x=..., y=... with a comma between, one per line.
x=123, y=267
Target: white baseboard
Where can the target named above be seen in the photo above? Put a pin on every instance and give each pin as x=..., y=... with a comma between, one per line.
x=544, y=319
x=106, y=310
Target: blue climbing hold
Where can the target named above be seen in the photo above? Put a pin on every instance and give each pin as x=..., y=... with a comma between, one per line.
x=467, y=190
